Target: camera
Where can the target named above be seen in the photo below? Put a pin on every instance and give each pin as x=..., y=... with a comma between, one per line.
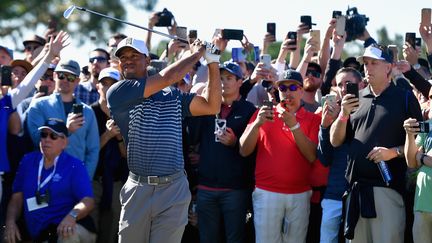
x=355, y=23
x=165, y=18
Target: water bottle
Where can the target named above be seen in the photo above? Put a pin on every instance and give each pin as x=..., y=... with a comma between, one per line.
x=385, y=172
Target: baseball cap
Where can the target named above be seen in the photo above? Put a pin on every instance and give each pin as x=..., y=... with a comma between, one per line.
x=68, y=66
x=22, y=63
x=291, y=75
x=57, y=126
x=139, y=45
x=315, y=65
x=378, y=52
x=35, y=38
x=350, y=62
x=8, y=51
x=233, y=68
x=109, y=72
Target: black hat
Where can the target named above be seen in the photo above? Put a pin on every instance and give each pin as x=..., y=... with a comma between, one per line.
x=292, y=75
x=55, y=125
x=36, y=39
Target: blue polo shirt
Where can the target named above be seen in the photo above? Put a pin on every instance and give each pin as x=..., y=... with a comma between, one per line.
x=67, y=187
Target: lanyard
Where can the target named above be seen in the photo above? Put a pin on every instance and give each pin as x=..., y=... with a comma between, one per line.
x=48, y=177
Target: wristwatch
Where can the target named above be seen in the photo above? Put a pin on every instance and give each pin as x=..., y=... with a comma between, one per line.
x=73, y=214
x=416, y=66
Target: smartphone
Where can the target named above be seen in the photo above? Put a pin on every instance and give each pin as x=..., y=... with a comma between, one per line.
x=182, y=32
x=43, y=89
x=271, y=29
x=352, y=88
x=292, y=35
x=329, y=99
x=266, y=59
x=307, y=20
x=268, y=103
x=231, y=34
x=315, y=34
x=193, y=34
x=424, y=126
x=418, y=42
x=394, y=50
x=336, y=14
x=220, y=128
x=77, y=108
x=410, y=38
x=237, y=54
x=426, y=16
x=340, y=25
x=6, y=76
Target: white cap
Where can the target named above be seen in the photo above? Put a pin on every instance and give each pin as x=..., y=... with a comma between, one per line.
x=109, y=72
x=139, y=45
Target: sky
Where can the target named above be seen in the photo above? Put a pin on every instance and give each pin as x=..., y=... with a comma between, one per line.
x=251, y=16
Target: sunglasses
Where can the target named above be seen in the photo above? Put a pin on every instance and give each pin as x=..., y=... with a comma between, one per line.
x=313, y=73
x=98, y=59
x=70, y=78
x=47, y=77
x=291, y=87
x=52, y=135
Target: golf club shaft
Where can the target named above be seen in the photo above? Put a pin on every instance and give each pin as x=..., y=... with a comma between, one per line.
x=132, y=24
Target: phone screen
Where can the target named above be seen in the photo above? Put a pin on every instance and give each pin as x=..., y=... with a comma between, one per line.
x=271, y=29
x=292, y=35
x=336, y=14
x=410, y=38
x=77, y=108
x=230, y=34
x=6, y=76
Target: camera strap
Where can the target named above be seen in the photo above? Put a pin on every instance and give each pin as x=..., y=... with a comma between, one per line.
x=49, y=177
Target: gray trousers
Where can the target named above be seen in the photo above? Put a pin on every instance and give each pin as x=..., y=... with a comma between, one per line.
x=389, y=225
x=154, y=214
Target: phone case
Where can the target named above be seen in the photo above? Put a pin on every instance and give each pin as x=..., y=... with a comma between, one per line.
x=340, y=25
x=426, y=16
x=266, y=59
x=220, y=128
x=352, y=88
x=410, y=38
x=315, y=34
x=271, y=28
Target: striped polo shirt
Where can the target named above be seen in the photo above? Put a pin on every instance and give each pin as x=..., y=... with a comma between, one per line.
x=151, y=127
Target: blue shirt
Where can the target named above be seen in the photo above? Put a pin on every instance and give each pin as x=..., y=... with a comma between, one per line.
x=5, y=111
x=69, y=185
x=151, y=127
x=83, y=143
x=86, y=92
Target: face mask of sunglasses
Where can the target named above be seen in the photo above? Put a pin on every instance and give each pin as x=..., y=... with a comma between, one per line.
x=291, y=87
x=313, y=73
x=69, y=78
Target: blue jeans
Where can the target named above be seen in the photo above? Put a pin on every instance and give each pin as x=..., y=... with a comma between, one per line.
x=331, y=220
x=231, y=205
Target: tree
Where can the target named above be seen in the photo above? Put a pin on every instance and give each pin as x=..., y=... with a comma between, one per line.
x=22, y=18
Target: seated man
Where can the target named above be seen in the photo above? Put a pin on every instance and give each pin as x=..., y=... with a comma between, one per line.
x=54, y=189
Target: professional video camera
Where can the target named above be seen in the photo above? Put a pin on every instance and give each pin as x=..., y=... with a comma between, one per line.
x=355, y=23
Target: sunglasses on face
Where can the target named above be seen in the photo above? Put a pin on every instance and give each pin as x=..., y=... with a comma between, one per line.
x=70, y=78
x=52, y=135
x=313, y=73
x=98, y=59
x=47, y=77
x=291, y=87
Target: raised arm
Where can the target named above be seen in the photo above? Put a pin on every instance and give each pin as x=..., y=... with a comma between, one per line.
x=410, y=148
x=174, y=72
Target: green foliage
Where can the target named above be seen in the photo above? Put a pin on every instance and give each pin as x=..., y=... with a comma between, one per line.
x=19, y=19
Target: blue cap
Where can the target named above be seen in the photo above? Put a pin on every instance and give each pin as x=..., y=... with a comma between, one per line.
x=233, y=68
x=55, y=125
x=8, y=51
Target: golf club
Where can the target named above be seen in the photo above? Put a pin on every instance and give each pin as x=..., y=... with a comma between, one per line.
x=68, y=12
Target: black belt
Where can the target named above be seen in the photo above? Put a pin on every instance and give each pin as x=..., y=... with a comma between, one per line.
x=156, y=180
